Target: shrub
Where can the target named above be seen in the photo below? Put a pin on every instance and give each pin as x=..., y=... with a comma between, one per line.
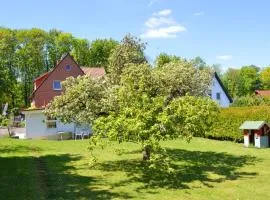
x=21, y=124
x=229, y=120
x=4, y=121
x=252, y=100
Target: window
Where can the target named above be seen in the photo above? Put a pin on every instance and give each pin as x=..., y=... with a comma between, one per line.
x=210, y=93
x=57, y=85
x=50, y=122
x=218, y=96
x=68, y=67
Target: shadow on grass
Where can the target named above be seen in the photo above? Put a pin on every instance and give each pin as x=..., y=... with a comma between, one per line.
x=18, y=149
x=188, y=167
x=48, y=177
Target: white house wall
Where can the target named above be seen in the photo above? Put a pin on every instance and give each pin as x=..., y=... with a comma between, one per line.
x=246, y=140
x=261, y=141
x=36, y=126
x=216, y=88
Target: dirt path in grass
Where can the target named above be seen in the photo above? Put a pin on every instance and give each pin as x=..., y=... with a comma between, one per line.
x=41, y=178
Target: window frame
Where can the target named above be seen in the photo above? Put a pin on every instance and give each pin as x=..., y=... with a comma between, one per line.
x=51, y=123
x=58, y=89
x=68, y=69
x=218, y=96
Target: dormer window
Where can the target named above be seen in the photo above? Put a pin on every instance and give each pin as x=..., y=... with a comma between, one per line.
x=57, y=85
x=68, y=67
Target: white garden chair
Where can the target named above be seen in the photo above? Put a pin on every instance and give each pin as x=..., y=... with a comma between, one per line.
x=80, y=134
x=86, y=133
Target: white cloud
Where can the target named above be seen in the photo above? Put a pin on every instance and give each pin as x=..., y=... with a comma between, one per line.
x=151, y=2
x=164, y=12
x=153, y=22
x=225, y=57
x=162, y=25
x=199, y=13
x=167, y=32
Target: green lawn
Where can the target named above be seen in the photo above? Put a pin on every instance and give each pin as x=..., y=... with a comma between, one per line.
x=204, y=169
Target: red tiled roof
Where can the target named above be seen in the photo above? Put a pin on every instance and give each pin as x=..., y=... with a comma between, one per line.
x=265, y=93
x=94, y=72
x=42, y=75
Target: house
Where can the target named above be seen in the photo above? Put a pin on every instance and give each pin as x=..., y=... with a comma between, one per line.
x=262, y=93
x=219, y=93
x=46, y=87
x=256, y=133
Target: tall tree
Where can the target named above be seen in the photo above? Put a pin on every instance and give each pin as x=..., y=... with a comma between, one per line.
x=217, y=68
x=265, y=78
x=142, y=115
x=137, y=109
x=51, y=49
x=100, y=51
x=130, y=50
x=64, y=43
x=31, y=57
x=58, y=44
x=81, y=51
x=231, y=80
x=249, y=80
x=163, y=59
x=199, y=62
x=8, y=67
x=182, y=78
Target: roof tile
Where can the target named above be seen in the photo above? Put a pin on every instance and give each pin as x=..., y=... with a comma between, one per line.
x=264, y=93
x=94, y=72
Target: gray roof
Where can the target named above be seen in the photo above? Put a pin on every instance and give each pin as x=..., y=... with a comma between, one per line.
x=253, y=125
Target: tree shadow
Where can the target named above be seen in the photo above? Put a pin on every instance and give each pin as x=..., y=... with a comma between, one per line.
x=49, y=177
x=187, y=167
x=18, y=149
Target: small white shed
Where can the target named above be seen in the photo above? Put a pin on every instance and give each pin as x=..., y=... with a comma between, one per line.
x=256, y=133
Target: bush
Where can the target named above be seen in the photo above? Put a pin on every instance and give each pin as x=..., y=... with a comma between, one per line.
x=252, y=100
x=21, y=124
x=229, y=120
x=4, y=121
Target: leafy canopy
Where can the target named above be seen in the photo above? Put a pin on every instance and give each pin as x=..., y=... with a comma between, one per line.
x=100, y=51
x=81, y=102
x=265, y=78
x=138, y=103
x=130, y=50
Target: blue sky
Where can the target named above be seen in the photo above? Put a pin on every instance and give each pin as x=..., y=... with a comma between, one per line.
x=232, y=33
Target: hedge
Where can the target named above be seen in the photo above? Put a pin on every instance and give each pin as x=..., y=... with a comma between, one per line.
x=229, y=120
x=253, y=100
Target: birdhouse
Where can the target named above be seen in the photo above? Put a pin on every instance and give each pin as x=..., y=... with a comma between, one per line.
x=256, y=133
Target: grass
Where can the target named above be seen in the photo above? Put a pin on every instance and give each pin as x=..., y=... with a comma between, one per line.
x=203, y=169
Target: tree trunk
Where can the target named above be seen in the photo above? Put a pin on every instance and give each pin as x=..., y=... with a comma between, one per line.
x=146, y=152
